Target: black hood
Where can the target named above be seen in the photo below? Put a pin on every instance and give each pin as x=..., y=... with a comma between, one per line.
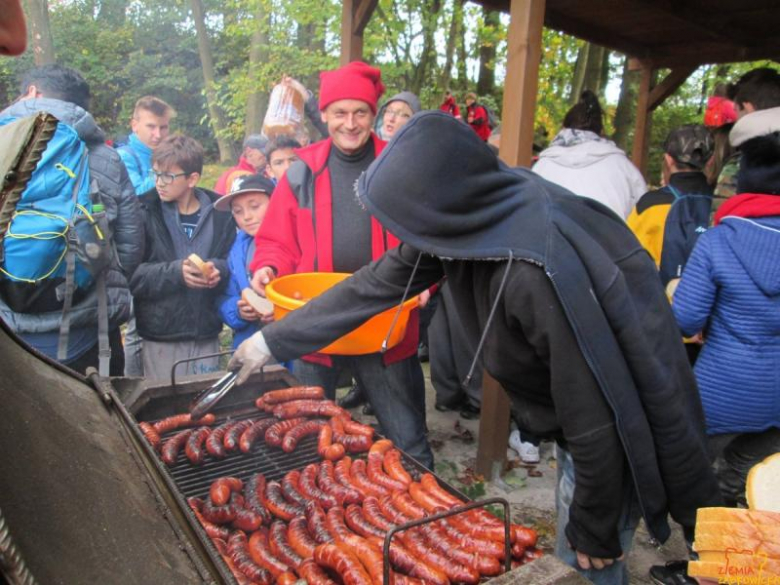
x=440, y=188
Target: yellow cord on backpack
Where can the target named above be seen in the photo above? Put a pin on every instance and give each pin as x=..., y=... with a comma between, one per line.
x=91, y=220
x=38, y=236
x=66, y=170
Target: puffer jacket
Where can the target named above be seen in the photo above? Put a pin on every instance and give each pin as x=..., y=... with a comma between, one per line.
x=124, y=216
x=165, y=309
x=730, y=289
x=239, y=280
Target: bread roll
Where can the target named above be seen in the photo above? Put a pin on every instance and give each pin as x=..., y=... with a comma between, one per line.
x=763, y=485
x=207, y=268
x=263, y=306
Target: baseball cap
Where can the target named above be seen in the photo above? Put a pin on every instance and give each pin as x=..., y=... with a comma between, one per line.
x=242, y=185
x=691, y=144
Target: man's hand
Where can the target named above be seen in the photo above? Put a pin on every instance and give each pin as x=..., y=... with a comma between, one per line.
x=246, y=312
x=261, y=277
x=296, y=85
x=250, y=357
x=587, y=562
x=193, y=277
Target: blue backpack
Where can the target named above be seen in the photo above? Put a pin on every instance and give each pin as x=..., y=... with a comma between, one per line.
x=688, y=218
x=57, y=246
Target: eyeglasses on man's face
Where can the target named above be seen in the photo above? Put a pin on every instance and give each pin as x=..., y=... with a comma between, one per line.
x=165, y=178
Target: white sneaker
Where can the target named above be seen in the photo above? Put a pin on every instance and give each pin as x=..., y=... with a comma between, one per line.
x=528, y=452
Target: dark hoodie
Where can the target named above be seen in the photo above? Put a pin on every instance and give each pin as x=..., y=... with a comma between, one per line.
x=576, y=326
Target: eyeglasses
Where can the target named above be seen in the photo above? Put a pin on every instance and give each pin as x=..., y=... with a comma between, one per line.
x=397, y=114
x=165, y=178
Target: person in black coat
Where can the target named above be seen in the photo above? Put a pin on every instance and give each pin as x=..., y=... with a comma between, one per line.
x=571, y=319
x=175, y=302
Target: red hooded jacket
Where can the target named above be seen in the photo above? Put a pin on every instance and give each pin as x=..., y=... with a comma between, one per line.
x=290, y=242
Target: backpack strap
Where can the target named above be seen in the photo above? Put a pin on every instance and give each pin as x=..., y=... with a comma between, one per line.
x=71, y=242
x=104, y=349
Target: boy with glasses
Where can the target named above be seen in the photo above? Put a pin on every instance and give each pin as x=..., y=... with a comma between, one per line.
x=174, y=298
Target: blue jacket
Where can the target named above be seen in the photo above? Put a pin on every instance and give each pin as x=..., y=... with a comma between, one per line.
x=730, y=289
x=138, y=161
x=239, y=280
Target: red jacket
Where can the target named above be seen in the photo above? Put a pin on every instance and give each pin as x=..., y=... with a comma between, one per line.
x=480, y=122
x=451, y=107
x=226, y=179
x=289, y=242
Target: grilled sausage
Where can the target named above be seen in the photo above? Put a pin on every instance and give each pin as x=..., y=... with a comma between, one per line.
x=290, y=488
x=253, y=496
x=194, y=446
x=391, y=512
x=277, y=505
x=405, y=561
x=437, y=539
x=337, y=527
x=181, y=420
x=483, y=546
x=308, y=487
x=171, y=447
x=376, y=456
x=361, y=481
x=313, y=574
x=214, y=445
x=275, y=433
x=407, y=506
x=326, y=479
x=280, y=547
x=425, y=499
x=416, y=544
x=316, y=522
x=352, y=427
x=246, y=519
x=357, y=522
x=352, y=443
x=238, y=549
x=525, y=536
x=261, y=554
x=233, y=433
x=299, y=538
x=254, y=432
x=343, y=562
x=294, y=435
x=212, y=530
x=326, y=448
x=429, y=483
x=293, y=393
x=222, y=488
x=151, y=434
x=394, y=467
x=286, y=578
x=343, y=474
x=373, y=513
x=219, y=514
x=298, y=408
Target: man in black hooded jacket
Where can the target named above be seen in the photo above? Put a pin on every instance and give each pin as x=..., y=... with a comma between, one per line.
x=571, y=318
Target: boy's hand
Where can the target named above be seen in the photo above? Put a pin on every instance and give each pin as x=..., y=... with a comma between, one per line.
x=246, y=312
x=193, y=276
x=262, y=277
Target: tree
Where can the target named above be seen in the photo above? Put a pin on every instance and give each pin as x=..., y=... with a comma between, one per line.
x=226, y=153
x=257, y=100
x=42, y=42
x=486, y=80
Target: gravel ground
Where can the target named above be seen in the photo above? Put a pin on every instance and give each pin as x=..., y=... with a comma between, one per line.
x=529, y=490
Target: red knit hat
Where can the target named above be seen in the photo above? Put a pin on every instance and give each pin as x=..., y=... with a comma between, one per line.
x=355, y=81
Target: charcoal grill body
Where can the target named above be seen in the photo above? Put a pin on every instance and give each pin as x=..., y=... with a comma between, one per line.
x=76, y=498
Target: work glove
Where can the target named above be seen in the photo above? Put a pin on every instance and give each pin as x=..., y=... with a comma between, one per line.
x=250, y=357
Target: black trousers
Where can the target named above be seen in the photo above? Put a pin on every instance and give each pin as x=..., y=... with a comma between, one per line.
x=90, y=357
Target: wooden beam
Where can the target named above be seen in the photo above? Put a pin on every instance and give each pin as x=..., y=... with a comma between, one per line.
x=643, y=116
x=524, y=51
x=588, y=31
x=351, y=43
x=668, y=86
x=362, y=15
x=493, y=428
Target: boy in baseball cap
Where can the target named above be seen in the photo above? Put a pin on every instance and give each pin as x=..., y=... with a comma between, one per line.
x=248, y=201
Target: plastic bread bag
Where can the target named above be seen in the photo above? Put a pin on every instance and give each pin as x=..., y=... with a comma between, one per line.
x=285, y=111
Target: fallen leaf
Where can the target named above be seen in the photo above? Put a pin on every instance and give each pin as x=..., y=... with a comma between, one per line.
x=533, y=472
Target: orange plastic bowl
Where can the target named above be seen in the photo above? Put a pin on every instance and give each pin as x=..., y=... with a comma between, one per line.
x=291, y=292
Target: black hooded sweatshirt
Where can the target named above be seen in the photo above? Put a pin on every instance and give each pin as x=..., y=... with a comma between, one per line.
x=582, y=337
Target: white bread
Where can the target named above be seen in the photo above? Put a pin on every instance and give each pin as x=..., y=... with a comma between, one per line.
x=738, y=571
x=763, y=485
x=207, y=268
x=726, y=540
x=742, y=530
x=746, y=563
x=737, y=515
x=263, y=306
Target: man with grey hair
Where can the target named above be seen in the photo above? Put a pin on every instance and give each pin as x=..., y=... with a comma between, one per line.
x=251, y=161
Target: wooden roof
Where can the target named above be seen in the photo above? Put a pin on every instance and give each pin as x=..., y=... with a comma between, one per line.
x=670, y=33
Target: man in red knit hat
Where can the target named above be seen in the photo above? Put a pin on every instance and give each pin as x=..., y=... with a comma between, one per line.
x=315, y=223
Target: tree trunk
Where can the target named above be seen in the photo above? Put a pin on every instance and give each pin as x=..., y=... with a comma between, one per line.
x=626, y=108
x=463, y=77
x=257, y=101
x=579, y=73
x=593, y=69
x=43, y=45
x=226, y=154
x=452, y=37
x=604, y=81
x=428, y=56
x=486, y=81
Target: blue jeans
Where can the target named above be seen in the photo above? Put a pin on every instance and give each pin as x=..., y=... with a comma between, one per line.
x=617, y=573
x=392, y=390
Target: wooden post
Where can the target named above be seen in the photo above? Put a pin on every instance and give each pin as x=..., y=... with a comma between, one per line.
x=643, y=116
x=351, y=43
x=524, y=50
x=493, y=428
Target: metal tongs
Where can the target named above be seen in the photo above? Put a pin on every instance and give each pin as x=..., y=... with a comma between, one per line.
x=208, y=398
